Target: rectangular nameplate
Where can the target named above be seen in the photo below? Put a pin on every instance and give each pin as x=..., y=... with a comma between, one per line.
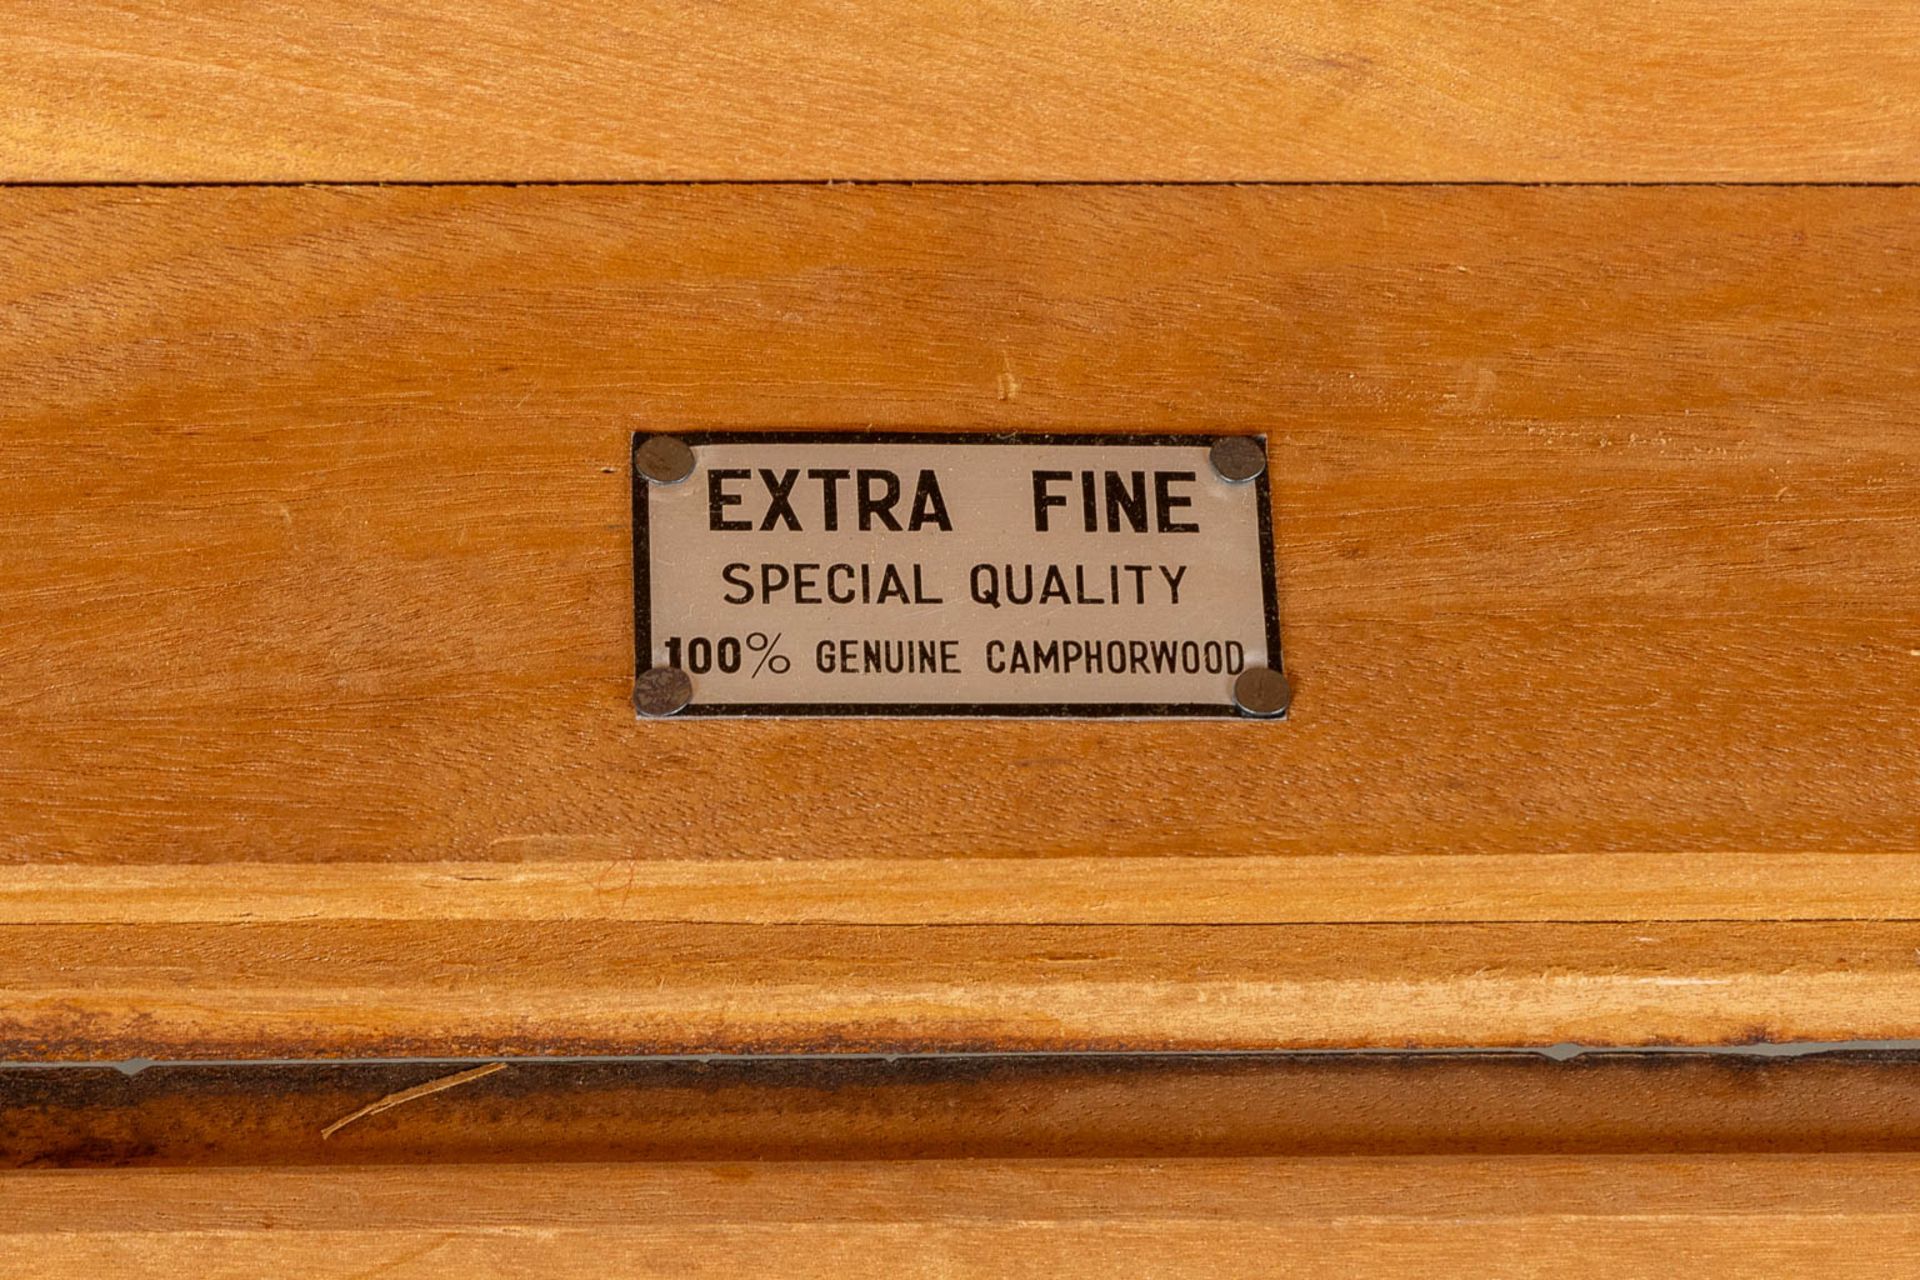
x=899, y=574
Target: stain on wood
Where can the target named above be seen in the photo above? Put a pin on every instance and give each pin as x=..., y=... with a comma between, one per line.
x=992, y=1108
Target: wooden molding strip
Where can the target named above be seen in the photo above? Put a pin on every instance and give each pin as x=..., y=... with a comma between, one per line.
x=461, y=988
x=981, y=891
x=1717, y=1216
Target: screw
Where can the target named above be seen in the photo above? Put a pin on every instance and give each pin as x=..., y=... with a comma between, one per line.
x=1238, y=459
x=1262, y=692
x=662, y=691
x=663, y=459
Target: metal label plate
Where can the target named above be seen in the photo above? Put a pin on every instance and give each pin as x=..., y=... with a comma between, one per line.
x=907, y=574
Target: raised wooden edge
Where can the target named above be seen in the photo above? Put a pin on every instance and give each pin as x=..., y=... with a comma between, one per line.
x=1065, y=890
x=463, y=988
x=987, y=1107
x=1712, y=1216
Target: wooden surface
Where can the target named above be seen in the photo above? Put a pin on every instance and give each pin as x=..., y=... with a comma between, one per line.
x=1596, y=511
x=1597, y=516
x=1068, y=890
x=1078, y=1165
x=1716, y=1216
x=999, y=1107
x=1208, y=90
x=477, y=989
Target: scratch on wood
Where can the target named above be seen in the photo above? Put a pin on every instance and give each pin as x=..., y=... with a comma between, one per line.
x=408, y=1095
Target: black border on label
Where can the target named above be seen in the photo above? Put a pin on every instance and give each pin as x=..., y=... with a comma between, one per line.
x=643, y=600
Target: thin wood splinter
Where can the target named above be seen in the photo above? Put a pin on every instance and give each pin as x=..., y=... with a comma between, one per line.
x=408, y=1095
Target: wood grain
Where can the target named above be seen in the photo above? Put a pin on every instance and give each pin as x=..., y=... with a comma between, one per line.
x=435, y=988
x=1298, y=889
x=1001, y=1107
x=1722, y=1216
x=1206, y=90
x=1597, y=512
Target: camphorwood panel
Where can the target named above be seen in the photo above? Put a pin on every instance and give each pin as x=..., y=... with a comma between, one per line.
x=1597, y=515
x=1646, y=1216
x=1204, y=90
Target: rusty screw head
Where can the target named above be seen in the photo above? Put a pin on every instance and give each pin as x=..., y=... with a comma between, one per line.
x=1262, y=692
x=663, y=460
x=1237, y=459
x=662, y=691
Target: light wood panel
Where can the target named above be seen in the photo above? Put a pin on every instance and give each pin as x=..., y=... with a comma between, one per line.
x=1207, y=90
x=1596, y=510
x=1137, y=1107
x=1525, y=1216
x=1596, y=514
